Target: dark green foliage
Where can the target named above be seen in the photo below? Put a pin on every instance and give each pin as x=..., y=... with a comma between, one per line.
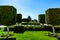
x=19, y=29
x=30, y=29
x=53, y=16
x=25, y=20
x=37, y=29
x=10, y=29
x=57, y=29
x=30, y=23
x=7, y=15
x=8, y=39
x=29, y=18
x=35, y=20
x=41, y=18
x=0, y=28
x=58, y=38
x=19, y=18
x=48, y=28
x=24, y=23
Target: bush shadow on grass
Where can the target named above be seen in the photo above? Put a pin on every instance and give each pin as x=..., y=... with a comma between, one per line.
x=8, y=39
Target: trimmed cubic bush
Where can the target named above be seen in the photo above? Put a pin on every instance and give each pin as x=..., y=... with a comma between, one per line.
x=53, y=16
x=19, y=18
x=7, y=15
x=41, y=18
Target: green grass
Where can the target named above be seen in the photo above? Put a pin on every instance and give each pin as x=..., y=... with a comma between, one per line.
x=33, y=35
x=30, y=35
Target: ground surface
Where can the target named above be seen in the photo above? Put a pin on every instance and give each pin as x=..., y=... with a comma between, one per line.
x=30, y=35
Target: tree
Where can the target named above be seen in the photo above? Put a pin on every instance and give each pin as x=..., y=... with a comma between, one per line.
x=53, y=17
x=7, y=16
x=29, y=18
x=19, y=18
x=41, y=18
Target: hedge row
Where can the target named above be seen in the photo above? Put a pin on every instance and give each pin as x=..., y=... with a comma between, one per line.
x=21, y=29
x=10, y=29
x=30, y=23
x=16, y=29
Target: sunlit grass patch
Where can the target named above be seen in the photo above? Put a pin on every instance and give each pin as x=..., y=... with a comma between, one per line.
x=34, y=35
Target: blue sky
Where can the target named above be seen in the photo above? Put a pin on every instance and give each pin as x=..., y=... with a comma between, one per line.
x=31, y=7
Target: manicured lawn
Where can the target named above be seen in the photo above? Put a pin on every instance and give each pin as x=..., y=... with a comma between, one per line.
x=33, y=35
x=30, y=35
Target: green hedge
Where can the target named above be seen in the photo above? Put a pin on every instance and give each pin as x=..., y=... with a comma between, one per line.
x=19, y=29
x=30, y=23
x=53, y=16
x=41, y=18
x=7, y=15
x=22, y=29
x=10, y=29
x=19, y=18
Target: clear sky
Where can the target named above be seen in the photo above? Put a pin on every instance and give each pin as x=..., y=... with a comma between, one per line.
x=31, y=7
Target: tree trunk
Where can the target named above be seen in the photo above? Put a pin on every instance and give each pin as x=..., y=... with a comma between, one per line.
x=7, y=32
x=54, y=34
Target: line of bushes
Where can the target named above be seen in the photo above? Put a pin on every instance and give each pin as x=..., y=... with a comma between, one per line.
x=30, y=23
x=21, y=29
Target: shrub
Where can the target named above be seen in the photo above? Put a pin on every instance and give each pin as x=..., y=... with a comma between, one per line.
x=53, y=16
x=24, y=23
x=48, y=28
x=30, y=29
x=7, y=15
x=19, y=29
x=41, y=18
x=30, y=23
x=57, y=29
x=10, y=29
x=25, y=20
x=19, y=18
